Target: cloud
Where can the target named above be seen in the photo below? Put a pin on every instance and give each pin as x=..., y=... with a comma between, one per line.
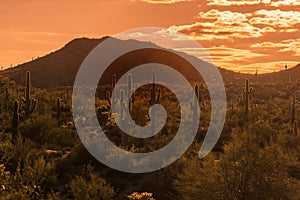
x=229, y=57
x=244, y=60
x=197, y=52
x=276, y=18
x=236, y=2
x=138, y=35
x=285, y=3
x=289, y=45
x=273, y=3
x=216, y=24
x=224, y=56
x=162, y=1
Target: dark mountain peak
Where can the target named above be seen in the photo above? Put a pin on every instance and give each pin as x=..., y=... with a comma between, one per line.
x=59, y=68
x=77, y=42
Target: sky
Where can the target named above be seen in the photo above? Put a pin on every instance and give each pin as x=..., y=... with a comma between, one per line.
x=240, y=35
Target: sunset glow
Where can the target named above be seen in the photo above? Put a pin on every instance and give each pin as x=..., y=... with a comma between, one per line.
x=240, y=35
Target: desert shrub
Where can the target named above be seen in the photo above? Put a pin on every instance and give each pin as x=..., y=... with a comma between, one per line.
x=32, y=181
x=91, y=187
x=37, y=128
x=246, y=170
x=59, y=138
x=14, y=153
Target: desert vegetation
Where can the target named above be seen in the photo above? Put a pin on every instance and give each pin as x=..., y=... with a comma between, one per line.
x=257, y=156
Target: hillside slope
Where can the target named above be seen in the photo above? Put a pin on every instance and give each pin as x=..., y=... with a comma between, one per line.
x=60, y=68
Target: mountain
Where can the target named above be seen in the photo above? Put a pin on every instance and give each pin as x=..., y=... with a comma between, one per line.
x=55, y=69
x=60, y=67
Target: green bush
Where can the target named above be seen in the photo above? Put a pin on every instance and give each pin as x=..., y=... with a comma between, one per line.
x=91, y=187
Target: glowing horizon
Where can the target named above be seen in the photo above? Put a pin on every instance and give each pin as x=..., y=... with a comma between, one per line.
x=238, y=35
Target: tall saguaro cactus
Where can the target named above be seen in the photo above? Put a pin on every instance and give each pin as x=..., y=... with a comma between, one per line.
x=129, y=91
x=58, y=107
x=7, y=94
x=113, y=85
x=122, y=107
x=246, y=95
x=293, y=108
x=6, y=102
x=154, y=99
x=194, y=107
x=30, y=103
x=112, y=97
x=16, y=116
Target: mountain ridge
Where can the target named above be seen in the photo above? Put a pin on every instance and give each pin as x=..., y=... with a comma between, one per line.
x=59, y=68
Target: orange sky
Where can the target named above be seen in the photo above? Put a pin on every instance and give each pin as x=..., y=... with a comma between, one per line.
x=238, y=34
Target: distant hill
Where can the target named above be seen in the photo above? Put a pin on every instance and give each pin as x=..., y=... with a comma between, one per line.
x=60, y=68
x=291, y=74
x=55, y=69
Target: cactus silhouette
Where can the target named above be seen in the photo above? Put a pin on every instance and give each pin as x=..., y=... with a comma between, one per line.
x=122, y=107
x=58, y=107
x=112, y=98
x=113, y=85
x=30, y=103
x=6, y=102
x=246, y=92
x=7, y=94
x=194, y=107
x=129, y=90
x=154, y=99
x=293, y=108
x=16, y=117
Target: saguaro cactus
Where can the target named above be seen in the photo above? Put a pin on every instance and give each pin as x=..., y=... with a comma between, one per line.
x=129, y=90
x=246, y=94
x=114, y=94
x=7, y=94
x=16, y=116
x=6, y=102
x=194, y=107
x=293, y=108
x=30, y=103
x=154, y=99
x=58, y=107
x=113, y=85
x=122, y=107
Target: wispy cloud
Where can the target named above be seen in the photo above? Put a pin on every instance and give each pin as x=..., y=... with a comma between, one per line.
x=290, y=45
x=238, y=39
x=276, y=18
x=162, y=1
x=274, y=3
x=285, y=3
x=236, y=2
x=216, y=24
